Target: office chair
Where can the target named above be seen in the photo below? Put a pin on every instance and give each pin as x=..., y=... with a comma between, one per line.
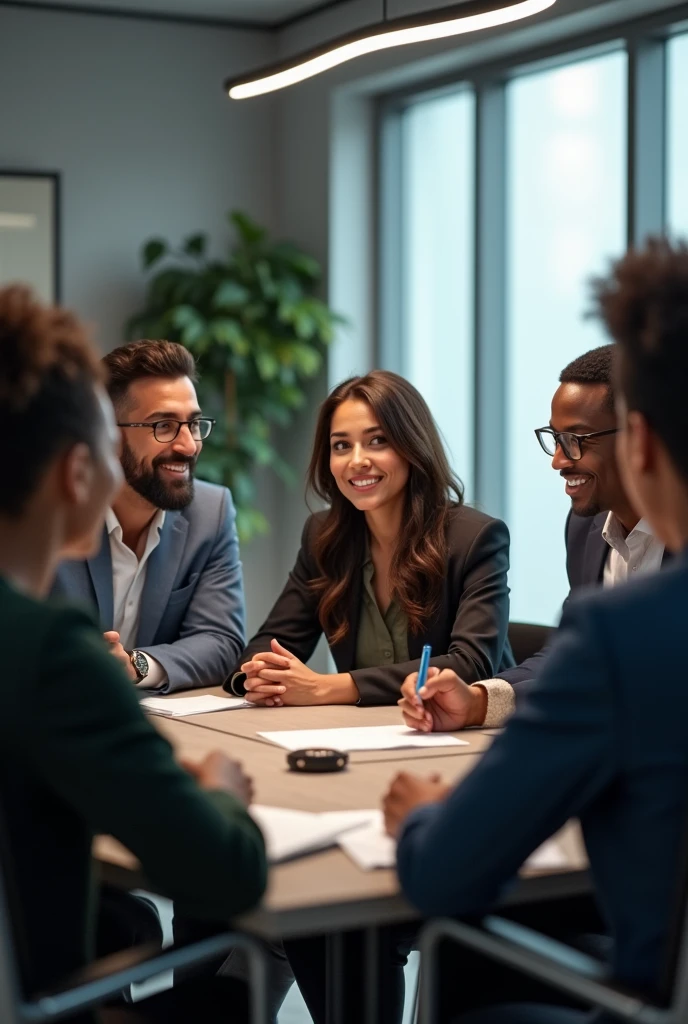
x=527, y=638
x=559, y=966
x=109, y=976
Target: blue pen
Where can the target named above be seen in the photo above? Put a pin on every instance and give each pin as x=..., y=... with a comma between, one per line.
x=423, y=670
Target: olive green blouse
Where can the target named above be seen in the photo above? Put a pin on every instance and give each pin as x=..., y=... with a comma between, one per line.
x=382, y=639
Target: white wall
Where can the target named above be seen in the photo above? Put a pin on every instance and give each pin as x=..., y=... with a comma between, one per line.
x=133, y=115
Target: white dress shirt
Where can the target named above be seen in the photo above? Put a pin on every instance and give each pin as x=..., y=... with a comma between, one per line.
x=128, y=580
x=631, y=554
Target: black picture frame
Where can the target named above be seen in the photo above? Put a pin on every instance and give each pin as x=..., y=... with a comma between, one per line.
x=47, y=279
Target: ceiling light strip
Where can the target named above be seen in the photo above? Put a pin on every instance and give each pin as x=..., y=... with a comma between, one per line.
x=426, y=26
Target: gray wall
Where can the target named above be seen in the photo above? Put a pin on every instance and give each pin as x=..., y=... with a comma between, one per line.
x=133, y=115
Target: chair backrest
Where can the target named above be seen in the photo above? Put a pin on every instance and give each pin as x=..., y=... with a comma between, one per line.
x=10, y=980
x=674, y=985
x=527, y=638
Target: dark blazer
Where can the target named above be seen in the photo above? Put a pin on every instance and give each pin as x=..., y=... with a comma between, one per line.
x=580, y=745
x=192, y=607
x=468, y=634
x=586, y=557
x=78, y=757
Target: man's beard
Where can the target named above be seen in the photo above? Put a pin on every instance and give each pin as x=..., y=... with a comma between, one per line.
x=172, y=496
x=588, y=511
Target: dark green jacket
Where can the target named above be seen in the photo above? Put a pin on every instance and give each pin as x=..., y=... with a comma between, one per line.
x=78, y=757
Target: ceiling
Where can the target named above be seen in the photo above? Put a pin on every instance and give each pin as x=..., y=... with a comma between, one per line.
x=269, y=13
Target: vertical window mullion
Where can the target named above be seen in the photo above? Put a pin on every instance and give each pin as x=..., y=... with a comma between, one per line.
x=490, y=298
x=647, y=138
x=391, y=332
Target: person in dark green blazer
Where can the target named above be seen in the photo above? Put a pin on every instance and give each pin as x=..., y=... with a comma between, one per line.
x=77, y=756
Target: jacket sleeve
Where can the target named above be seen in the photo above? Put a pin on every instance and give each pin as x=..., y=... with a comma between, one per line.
x=213, y=630
x=557, y=753
x=480, y=626
x=93, y=746
x=293, y=620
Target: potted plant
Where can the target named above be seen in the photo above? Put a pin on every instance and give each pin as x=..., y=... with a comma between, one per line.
x=258, y=333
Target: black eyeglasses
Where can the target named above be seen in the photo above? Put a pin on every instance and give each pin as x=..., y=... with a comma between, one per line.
x=165, y=431
x=571, y=444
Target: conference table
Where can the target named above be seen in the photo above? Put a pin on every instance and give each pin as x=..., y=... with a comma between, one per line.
x=325, y=892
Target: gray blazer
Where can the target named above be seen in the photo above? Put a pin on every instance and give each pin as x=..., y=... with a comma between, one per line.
x=192, y=608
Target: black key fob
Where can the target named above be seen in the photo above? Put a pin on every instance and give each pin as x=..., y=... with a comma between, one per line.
x=317, y=760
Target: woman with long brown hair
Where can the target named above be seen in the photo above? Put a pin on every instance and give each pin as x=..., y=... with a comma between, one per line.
x=396, y=561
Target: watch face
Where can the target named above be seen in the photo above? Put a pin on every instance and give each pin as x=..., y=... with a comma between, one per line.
x=140, y=663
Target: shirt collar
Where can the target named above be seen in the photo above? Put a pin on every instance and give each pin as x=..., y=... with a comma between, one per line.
x=113, y=525
x=616, y=537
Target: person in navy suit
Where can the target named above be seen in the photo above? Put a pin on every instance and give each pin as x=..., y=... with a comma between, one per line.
x=167, y=580
x=578, y=744
x=607, y=542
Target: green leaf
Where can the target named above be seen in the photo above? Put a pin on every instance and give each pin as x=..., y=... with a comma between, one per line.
x=230, y=294
x=251, y=523
x=268, y=367
x=153, y=251
x=189, y=323
x=251, y=234
x=228, y=332
x=195, y=245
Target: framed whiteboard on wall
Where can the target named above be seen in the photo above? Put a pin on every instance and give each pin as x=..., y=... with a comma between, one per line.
x=29, y=231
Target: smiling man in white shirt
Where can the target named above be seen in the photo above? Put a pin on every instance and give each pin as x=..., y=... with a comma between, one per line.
x=167, y=580
x=606, y=542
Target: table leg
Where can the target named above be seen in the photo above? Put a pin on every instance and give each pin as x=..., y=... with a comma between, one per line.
x=334, y=953
x=370, y=974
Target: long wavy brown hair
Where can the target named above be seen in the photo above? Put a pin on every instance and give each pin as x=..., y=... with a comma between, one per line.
x=420, y=559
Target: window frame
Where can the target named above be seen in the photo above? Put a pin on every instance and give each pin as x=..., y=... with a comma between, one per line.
x=645, y=41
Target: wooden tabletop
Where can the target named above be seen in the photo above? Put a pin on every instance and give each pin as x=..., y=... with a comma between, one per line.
x=248, y=722
x=326, y=891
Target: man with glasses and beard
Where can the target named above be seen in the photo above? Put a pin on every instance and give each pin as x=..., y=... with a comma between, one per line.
x=606, y=540
x=167, y=580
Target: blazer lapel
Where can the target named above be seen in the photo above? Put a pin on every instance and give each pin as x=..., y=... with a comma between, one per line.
x=596, y=551
x=100, y=569
x=162, y=569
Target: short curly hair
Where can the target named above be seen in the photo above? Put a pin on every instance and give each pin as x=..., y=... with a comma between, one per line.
x=643, y=303
x=593, y=367
x=48, y=372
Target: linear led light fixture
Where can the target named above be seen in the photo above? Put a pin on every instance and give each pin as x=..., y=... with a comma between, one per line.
x=458, y=19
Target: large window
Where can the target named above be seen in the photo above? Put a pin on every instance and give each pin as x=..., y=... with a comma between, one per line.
x=436, y=266
x=566, y=204
x=499, y=201
x=678, y=135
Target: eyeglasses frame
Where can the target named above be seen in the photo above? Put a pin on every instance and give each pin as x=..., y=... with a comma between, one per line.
x=556, y=434
x=180, y=423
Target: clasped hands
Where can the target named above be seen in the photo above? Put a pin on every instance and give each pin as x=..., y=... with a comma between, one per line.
x=277, y=678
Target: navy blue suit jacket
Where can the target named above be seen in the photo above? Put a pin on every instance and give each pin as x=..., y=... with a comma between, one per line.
x=192, y=607
x=580, y=745
x=586, y=554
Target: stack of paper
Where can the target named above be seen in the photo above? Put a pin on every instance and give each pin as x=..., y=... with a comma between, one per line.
x=180, y=707
x=290, y=834
x=375, y=737
x=370, y=847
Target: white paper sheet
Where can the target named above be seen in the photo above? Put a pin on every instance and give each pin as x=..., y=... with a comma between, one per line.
x=180, y=707
x=548, y=857
x=376, y=737
x=290, y=834
x=370, y=847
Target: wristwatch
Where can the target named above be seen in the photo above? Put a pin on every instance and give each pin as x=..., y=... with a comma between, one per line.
x=140, y=663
